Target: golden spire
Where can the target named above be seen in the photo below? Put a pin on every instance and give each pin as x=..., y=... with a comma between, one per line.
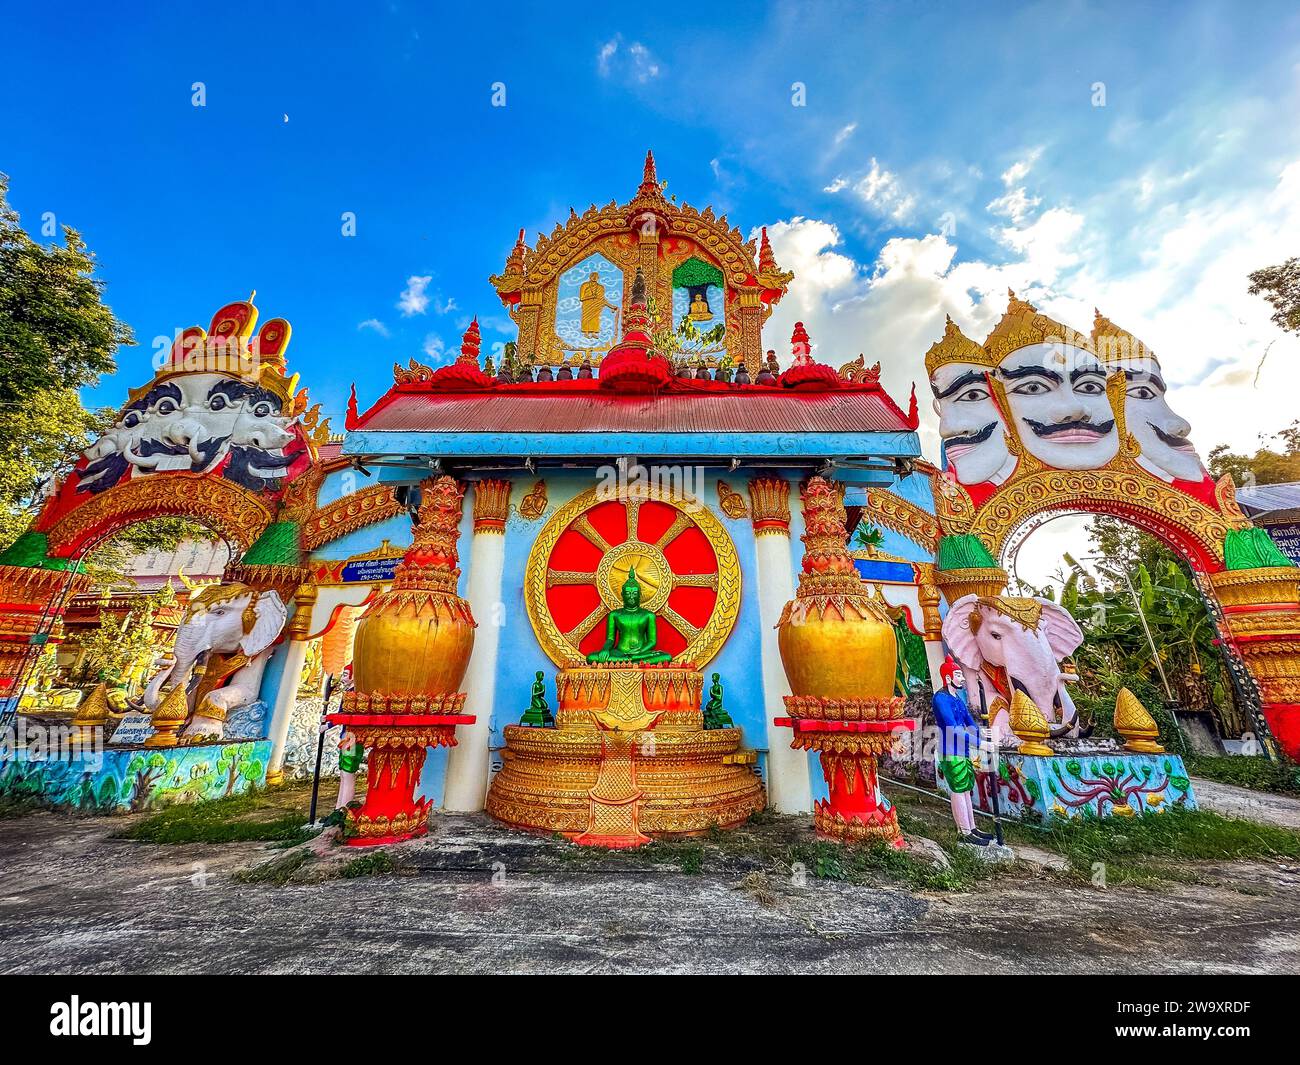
x=955, y=346
x=1023, y=325
x=1135, y=724
x=1116, y=346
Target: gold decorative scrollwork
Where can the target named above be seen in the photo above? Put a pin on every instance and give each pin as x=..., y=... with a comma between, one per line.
x=893, y=512
x=348, y=514
x=1134, y=495
x=233, y=512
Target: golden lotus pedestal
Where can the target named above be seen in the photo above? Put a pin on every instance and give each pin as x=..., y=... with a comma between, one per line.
x=627, y=760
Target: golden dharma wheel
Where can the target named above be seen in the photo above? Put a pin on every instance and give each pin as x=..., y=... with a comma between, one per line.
x=684, y=560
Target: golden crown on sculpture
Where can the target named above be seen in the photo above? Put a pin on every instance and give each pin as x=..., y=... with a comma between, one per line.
x=956, y=346
x=228, y=347
x=1116, y=346
x=1023, y=325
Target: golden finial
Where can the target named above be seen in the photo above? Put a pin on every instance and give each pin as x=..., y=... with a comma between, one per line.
x=956, y=346
x=1116, y=346
x=1135, y=724
x=171, y=714
x=1029, y=725
x=93, y=709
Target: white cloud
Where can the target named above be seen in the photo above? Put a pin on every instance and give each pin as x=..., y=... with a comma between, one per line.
x=414, y=298
x=632, y=61
x=881, y=191
x=434, y=348
x=376, y=325
x=446, y=306
x=845, y=133
x=1183, y=293
x=1016, y=203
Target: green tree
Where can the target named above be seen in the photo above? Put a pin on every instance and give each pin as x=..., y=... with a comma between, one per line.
x=1280, y=285
x=56, y=335
x=1275, y=464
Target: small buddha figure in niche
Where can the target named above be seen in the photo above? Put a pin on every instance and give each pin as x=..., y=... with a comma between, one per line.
x=591, y=294
x=630, y=634
x=700, y=307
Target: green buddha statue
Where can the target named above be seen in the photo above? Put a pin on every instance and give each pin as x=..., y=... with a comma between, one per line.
x=714, y=715
x=538, y=714
x=630, y=632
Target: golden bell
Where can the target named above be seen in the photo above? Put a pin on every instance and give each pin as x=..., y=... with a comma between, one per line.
x=1029, y=725
x=1135, y=724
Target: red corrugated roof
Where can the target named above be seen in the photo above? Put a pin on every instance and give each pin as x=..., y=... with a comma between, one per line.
x=581, y=407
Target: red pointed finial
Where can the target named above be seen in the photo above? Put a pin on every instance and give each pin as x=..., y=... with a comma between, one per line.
x=470, y=343
x=648, y=175
x=800, y=346
x=766, y=260
x=352, y=419
x=913, y=413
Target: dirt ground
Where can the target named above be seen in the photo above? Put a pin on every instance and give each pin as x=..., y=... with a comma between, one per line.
x=477, y=898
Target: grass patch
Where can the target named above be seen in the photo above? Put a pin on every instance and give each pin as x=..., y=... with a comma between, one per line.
x=252, y=817
x=376, y=863
x=278, y=871
x=1258, y=774
x=1157, y=847
x=20, y=805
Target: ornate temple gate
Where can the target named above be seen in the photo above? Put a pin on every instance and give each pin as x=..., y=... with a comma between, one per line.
x=1041, y=420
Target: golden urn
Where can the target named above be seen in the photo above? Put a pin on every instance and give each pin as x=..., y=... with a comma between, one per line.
x=836, y=639
x=416, y=637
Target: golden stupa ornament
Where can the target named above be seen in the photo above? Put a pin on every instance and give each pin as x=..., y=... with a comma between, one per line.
x=1029, y=725
x=1136, y=725
x=416, y=638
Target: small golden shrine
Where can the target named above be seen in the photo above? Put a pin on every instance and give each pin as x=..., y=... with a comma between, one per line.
x=709, y=288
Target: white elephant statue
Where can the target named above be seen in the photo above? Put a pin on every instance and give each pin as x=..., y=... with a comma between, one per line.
x=230, y=630
x=1008, y=643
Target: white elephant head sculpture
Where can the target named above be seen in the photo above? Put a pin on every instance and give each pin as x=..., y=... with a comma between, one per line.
x=230, y=630
x=1011, y=643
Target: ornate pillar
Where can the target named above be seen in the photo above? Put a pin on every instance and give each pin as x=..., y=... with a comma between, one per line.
x=789, y=790
x=751, y=329
x=1261, y=607
x=286, y=693
x=529, y=317
x=467, y=762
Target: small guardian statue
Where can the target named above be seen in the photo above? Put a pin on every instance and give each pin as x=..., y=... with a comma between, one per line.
x=714, y=715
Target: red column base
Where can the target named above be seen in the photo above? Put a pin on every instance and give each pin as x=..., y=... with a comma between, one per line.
x=1284, y=722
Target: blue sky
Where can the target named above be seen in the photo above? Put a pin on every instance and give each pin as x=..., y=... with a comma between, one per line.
x=944, y=152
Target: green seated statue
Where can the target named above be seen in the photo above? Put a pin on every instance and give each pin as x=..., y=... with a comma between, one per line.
x=538, y=714
x=630, y=632
x=714, y=715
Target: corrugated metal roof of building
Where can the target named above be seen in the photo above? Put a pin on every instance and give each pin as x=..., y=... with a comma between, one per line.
x=1263, y=498
x=592, y=411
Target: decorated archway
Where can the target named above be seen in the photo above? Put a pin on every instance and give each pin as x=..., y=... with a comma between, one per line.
x=1041, y=420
